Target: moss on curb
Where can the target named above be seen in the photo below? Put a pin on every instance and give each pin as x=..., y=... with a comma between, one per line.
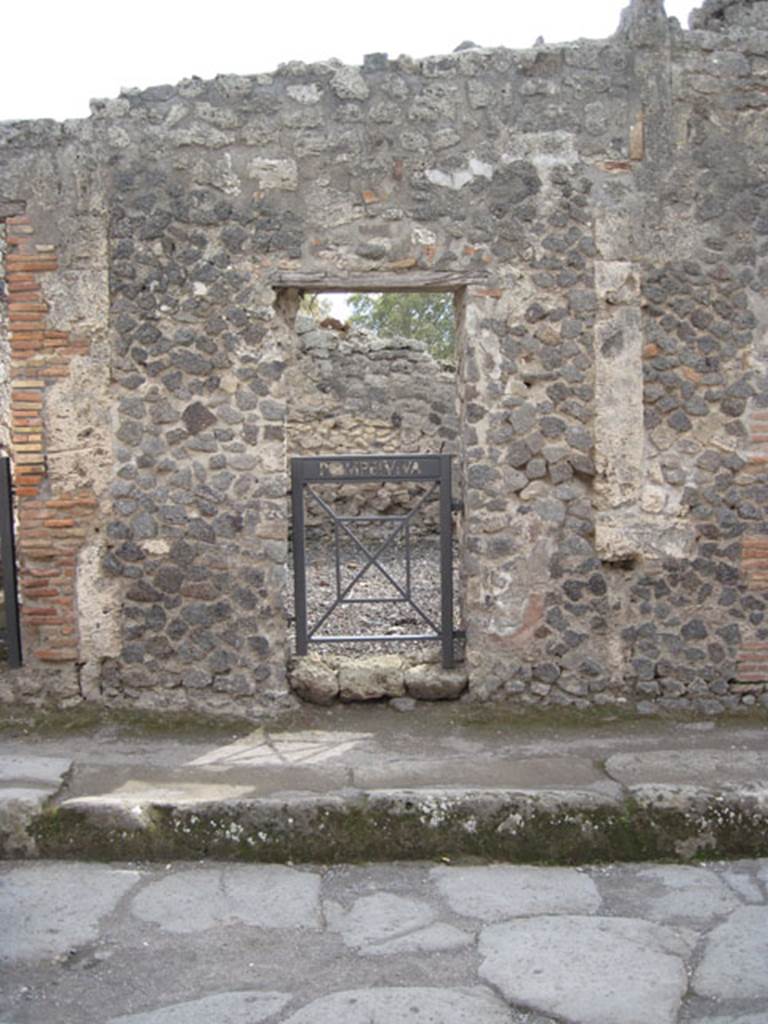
x=324, y=831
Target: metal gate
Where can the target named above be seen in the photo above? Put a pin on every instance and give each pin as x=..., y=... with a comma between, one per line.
x=312, y=475
x=9, y=609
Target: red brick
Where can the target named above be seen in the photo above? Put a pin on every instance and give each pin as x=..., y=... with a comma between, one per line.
x=63, y=654
x=22, y=263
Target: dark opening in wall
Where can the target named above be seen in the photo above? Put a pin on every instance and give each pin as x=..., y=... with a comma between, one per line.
x=359, y=383
x=10, y=640
x=373, y=374
x=428, y=317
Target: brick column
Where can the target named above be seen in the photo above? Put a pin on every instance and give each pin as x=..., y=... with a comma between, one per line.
x=752, y=666
x=51, y=526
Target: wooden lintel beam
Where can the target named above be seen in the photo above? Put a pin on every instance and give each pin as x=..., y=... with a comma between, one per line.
x=373, y=281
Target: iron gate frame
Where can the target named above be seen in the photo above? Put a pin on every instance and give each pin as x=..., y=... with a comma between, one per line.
x=8, y=557
x=351, y=469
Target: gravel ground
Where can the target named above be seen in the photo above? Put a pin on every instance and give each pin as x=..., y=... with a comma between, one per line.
x=418, y=575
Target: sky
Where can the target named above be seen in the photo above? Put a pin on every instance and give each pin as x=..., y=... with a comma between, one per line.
x=59, y=54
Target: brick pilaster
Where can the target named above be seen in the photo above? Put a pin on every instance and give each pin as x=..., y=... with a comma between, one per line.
x=752, y=665
x=51, y=526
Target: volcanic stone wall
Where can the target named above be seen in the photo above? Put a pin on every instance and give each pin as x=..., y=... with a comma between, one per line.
x=600, y=212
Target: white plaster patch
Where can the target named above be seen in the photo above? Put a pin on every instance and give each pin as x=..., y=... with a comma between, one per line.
x=305, y=93
x=274, y=174
x=423, y=236
x=155, y=546
x=654, y=498
x=617, y=282
x=79, y=299
x=618, y=430
x=98, y=614
x=76, y=413
x=457, y=179
x=543, y=149
x=625, y=533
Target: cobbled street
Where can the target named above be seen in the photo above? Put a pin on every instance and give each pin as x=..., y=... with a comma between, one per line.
x=447, y=944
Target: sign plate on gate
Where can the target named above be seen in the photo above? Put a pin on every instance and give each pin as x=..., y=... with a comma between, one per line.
x=309, y=477
x=346, y=469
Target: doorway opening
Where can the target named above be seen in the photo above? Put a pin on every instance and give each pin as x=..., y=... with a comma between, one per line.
x=361, y=384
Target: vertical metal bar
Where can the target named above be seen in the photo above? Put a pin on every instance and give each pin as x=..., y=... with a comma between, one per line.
x=299, y=557
x=446, y=562
x=8, y=556
x=337, y=557
x=407, y=532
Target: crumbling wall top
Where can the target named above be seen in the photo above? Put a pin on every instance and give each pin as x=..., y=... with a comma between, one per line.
x=720, y=15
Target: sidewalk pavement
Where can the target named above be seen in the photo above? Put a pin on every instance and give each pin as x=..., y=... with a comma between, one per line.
x=362, y=783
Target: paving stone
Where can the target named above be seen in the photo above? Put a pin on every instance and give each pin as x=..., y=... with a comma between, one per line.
x=26, y=782
x=261, y=896
x=44, y=771
x=18, y=805
x=488, y=773
x=745, y=1018
x=49, y=909
x=129, y=972
x=743, y=885
x=735, y=960
x=397, y=1005
x=499, y=892
x=699, y=768
x=222, y=1008
x=437, y=938
x=672, y=893
x=591, y=970
x=373, y=920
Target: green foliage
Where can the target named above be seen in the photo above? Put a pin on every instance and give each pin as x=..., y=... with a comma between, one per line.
x=427, y=317
x=316, y=306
